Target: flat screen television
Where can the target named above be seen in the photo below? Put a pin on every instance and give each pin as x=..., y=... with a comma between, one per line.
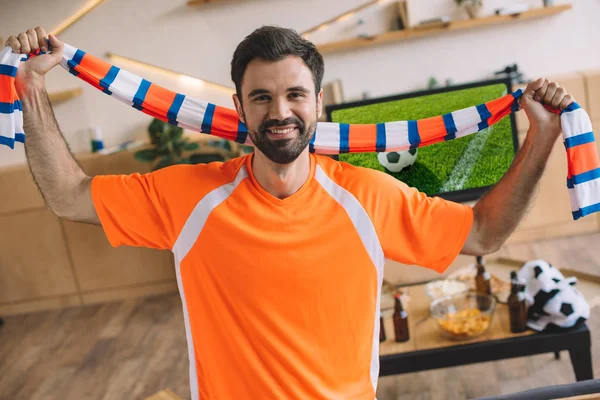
x=461, y=169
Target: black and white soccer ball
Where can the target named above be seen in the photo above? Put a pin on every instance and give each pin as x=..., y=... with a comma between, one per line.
x=396, y=161
x=553, y=301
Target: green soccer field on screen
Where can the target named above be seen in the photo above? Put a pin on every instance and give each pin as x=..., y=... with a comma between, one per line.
x=473, y=161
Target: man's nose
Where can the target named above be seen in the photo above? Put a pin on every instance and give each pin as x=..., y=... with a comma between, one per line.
x=280, y=110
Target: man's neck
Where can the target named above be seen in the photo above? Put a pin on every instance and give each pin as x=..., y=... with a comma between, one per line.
x=281, y=180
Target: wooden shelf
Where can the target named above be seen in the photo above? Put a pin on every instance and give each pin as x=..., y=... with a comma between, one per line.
x=60, y=97
x=415, y=32
x=202, y=2
x=339, y=17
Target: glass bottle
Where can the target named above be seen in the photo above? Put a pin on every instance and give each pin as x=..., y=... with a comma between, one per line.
x=482, y=279
x=400, y=321
x=517, y=307
x=483, y=284
x=382, y=336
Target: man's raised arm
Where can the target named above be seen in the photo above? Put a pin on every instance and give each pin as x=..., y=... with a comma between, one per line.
x=499, y=211
x=65, y=187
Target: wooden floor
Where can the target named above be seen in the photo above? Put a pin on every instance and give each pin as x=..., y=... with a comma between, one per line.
x=133, y=349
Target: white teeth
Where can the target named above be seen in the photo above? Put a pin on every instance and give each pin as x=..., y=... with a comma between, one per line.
x=282, y=131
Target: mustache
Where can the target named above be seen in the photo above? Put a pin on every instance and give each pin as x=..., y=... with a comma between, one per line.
x=272, y=123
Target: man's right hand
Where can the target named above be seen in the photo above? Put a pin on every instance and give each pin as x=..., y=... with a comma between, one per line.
x=31, y=73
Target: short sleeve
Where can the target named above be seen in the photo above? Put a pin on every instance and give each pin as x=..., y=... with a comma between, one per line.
x=419, y=230
x=132, y=211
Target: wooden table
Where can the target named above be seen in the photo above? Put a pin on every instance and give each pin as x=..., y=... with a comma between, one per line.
x=166, y=394
x=428, y=349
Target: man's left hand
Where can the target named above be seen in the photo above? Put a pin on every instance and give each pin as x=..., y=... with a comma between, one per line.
x=539, y=92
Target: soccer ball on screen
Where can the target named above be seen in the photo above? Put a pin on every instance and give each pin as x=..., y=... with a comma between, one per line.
x=396, y=161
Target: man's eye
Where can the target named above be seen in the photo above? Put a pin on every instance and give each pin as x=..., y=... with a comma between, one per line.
x=261, y=98
x=296, y=94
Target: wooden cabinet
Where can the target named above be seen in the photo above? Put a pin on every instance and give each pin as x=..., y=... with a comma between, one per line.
x=21, y=191
x=100, y=266
x=35, y=269
x=46, y=262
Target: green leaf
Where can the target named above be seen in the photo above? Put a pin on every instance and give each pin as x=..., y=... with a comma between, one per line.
x=205, y=158
x=156, y=126
x=225, y=144
x=221, y=143
x=177, y=148
x=165, y=162
x=190, y=146
x=163, y=149
x=176, y=132
x=147, y=155
x=247, y=149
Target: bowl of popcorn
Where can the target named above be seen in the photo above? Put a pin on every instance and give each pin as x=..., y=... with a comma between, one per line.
x=445, y=287
x=463, y=316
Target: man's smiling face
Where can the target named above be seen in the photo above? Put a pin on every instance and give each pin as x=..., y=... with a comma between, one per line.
x=279, y=107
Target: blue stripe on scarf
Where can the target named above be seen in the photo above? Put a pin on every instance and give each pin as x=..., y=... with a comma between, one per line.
x=9, y=108
x=10, y=142
x=138, y=99
x=571, y=107
x=516, y=95
x=484, y=114
x=381, y=140
x=77, y=57
x=174, y=109
x=413, y=134
x=311, y=144
x=582, y=212
x=242, y=134
x=110, y=77
x=579, y=139
x=570, y=184
x=450, y=127
x=20, y=137
x=344, y=138
x=8, y=70
x=586, y=176
x=208, y=116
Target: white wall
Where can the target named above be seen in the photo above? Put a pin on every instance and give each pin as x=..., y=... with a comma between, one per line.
x=199, y=41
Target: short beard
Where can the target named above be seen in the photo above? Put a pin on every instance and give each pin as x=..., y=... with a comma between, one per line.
x=282, y=151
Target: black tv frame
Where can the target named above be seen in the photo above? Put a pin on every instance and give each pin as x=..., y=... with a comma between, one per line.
x=458, y=195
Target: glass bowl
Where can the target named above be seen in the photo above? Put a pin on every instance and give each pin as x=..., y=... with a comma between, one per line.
x=445, y=287
x=463, y=316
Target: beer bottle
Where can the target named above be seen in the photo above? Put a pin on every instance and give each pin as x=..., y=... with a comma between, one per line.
x=517, y=307
x=482, y=279
x=382, y=336
x=400, y=321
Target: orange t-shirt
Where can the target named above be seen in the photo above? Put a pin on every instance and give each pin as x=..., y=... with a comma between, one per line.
x=281, y=297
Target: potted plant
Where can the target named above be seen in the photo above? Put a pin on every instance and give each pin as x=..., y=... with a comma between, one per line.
x=473, y=7
x=170, y=147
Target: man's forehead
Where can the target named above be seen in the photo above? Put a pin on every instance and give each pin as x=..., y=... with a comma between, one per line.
x=290, y=71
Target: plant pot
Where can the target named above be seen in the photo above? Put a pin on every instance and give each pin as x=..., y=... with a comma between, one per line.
x=473, y=8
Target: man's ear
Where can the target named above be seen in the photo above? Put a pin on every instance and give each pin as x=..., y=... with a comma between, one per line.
x=238, y=107
x=320, y=104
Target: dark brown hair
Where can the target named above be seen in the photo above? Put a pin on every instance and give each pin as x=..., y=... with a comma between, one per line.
x=272, y=43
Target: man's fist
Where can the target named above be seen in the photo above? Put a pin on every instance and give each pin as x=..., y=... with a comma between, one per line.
x=33, y=71
x=544, y=92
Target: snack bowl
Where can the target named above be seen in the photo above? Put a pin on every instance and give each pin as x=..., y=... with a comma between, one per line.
x=463, y=316
x=445, y=287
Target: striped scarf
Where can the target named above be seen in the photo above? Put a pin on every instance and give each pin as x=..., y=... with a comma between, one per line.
x=583, y=177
